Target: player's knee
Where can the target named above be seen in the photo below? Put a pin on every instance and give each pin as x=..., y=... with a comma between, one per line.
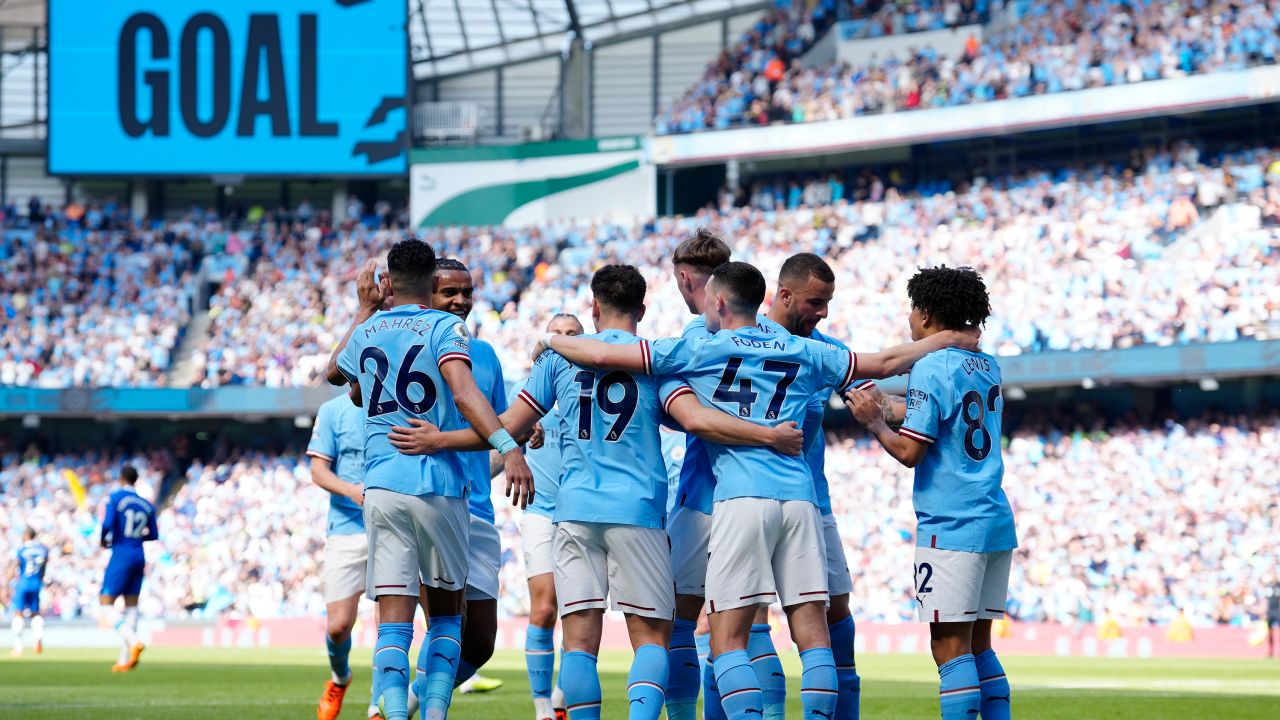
x=838, y=609
x=543, y=614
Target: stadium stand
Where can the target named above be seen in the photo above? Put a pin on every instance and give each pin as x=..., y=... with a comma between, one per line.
x=1066, y=250
x=1128, y=520
x=1053, y=47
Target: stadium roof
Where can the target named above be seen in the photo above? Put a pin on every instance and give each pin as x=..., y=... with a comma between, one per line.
x=453, y=35
x=449, y=36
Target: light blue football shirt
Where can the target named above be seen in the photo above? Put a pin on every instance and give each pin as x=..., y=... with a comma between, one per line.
x=338, y=436
x=396, y=356
x=954, y=403
x=545, y=464
x=763, y=378
x=815, y=438
x=611, y=443
x=697, y=486
x=488, y=373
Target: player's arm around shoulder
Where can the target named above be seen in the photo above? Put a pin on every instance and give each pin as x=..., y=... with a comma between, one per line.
x=900, y=358
x=589, y=352
x=717, y=426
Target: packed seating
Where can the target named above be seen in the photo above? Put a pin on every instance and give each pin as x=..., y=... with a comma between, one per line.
x=1052, y=47
x=1077, y=258
x=88, y=297
x=1134, y=521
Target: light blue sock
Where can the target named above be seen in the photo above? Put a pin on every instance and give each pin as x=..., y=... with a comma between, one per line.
x=581, y=685
x=683, y=672
x=466, y=671
x=739, y=689
x=773, y=682
x=339, y=656
x=443, y=648
x=540, y=659
x=375, y=689
x=711, y=707
x=420, y=671
x=703, y=643
x=818, y=683
x=996, y=696
x=647, y=682
x=849, y=702
x=391, y=663
x=959, y=693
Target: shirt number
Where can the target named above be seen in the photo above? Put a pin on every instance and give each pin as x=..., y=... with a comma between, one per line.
x=135, y=523
x=405, y=379
x=973, y=411
x=745, y=396
x=622, y=409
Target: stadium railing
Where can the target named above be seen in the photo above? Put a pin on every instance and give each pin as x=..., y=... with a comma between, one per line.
x=999, y=117
x=1087, y=368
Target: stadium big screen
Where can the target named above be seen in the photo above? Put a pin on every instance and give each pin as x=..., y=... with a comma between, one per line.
x=174, y=87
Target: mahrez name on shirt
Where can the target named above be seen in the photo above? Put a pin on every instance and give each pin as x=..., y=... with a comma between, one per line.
x=418, y=326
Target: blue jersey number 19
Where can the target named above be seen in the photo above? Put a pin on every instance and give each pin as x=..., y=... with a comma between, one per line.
x=623, y=409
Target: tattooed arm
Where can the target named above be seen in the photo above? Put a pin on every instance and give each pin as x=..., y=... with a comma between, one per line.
x=893, y=407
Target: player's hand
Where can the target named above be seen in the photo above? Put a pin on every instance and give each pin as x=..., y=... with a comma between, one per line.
x=967, y=339
x=369, y=292
x=538, y=438
x=519, y=479
x=356, y=493
x=421, y=439
x=866, y=410
x=788, y=439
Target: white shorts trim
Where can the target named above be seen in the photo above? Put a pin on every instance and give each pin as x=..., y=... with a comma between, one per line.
x=956, y=586
x=762, y=550
x=345, y=559
x=536, y=537
x=690, y=533
x=629, y=566
x=839, y=582
x=413, y=540
x=484, y=555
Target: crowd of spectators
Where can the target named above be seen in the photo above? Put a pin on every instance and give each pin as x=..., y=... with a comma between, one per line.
x=1134, y=522
x=89, y=297
x=1078, y=258
x=1051, y=47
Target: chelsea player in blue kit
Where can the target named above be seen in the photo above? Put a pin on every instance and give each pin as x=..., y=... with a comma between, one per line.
x=412, y=361
x=128, y=522
x=536, y=536
x=33, y=558
x=610, y=543
x=766, y=533
x=965, y=533
x=337, y=466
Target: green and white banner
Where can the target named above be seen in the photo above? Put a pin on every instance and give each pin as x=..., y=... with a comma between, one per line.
x=533, y=183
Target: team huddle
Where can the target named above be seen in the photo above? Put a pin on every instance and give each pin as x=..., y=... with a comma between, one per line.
x=409, y=455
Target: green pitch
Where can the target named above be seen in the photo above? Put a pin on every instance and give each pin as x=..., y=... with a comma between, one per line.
x=271, y=684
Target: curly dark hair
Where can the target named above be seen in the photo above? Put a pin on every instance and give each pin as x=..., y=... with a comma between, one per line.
x=411, y=264
x=955, y=297
x=620, y=288
x=451, y=265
